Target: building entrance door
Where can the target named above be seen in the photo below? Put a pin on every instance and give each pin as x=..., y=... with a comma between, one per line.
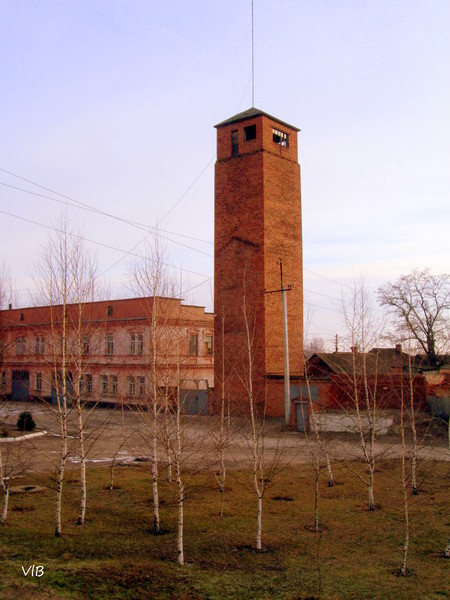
x=20, y=388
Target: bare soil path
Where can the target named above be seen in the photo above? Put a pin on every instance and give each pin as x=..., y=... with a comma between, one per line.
x=124, y=436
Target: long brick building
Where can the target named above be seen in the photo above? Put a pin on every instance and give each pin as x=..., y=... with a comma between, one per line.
x=257, y=226
x=108, y=349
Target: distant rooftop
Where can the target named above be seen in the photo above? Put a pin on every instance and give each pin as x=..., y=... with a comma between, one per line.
x=250, y=114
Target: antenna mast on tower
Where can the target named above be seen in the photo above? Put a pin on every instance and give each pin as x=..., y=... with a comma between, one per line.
x=253, y=62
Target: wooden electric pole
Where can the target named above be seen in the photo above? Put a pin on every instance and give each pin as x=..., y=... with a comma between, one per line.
x=287, y=379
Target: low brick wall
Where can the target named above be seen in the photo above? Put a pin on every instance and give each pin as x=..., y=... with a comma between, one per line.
x=342, y=423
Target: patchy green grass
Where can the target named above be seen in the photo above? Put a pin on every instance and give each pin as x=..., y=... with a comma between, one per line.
x=357, y=554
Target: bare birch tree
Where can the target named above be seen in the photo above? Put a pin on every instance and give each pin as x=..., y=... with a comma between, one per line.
x=8, y=468
x=222, y=431
x=364, y=332
x=65, y=280
x=404, y=479
x=263, y=469
x=151, y=278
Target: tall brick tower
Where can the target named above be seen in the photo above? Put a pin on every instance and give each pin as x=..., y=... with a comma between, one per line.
x=257, y=223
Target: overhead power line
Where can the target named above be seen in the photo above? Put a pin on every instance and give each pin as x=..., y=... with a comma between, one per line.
x=96, y=242
x=88, y=207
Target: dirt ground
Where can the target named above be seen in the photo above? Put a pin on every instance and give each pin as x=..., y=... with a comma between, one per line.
x=124, y=436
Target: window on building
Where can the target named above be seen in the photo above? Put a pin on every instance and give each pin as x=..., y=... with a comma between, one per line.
x=20, y=345
x=208, y=342
x=86, y=384
x=250, y=133
x=109, y=311
x=114, y=385
x=85, y=345
x=193, y=344
x=3, y=380
x=141, y=384
x=21, y=317
x=105, y=385
x=281, y=138
x=136, y=343
x=38, y=382
x=109, y=344
x=234, y=142
x=140, y=343
x=39, y=344
x=131, y=386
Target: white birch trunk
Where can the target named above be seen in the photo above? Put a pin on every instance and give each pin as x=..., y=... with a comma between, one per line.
x=403, y=570
x=178, y=454
x=5, y=504
x=5, y=489
x=154, y=350
x=256, y=451
x=180, y=540
x=167, y=439
x=156, y=525
x=62, y=408
x=316, y=432
x=180, y=486
x=415, y=490
x=83, y=490
x=370, y=488
x=259, y=524
x=316, y=496
x=59, y=485
x=111, y=474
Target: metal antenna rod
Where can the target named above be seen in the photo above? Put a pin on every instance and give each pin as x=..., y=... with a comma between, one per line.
x=253, y=62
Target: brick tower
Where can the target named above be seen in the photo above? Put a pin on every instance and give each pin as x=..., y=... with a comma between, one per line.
x=257, y=223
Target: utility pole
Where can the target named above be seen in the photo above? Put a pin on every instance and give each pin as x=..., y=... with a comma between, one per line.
x=287, y=378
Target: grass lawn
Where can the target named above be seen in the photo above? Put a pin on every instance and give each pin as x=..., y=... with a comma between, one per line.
x=356, y=555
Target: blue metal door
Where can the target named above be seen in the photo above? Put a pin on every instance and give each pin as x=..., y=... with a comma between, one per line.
x=301, y=415
x=20, y=386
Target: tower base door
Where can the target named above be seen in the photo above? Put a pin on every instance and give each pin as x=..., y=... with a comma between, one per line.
x=301, y=415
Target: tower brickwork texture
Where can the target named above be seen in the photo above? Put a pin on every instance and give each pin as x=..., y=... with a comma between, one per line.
x=257, y=224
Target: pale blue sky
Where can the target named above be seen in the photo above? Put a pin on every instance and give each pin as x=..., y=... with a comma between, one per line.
x=113, y=104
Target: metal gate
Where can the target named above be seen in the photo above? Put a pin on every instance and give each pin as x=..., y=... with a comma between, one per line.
x=20, y=386
x=195, y=397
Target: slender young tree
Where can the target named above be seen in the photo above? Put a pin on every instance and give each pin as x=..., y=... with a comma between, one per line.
x=65, y=281
x=364, y=332
x=3, y=479
x=312, y=413
x=151, y=279
x=222, y=431
x=404, y=478
x=412, y=420
x=264, y=470
x=317, y=436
